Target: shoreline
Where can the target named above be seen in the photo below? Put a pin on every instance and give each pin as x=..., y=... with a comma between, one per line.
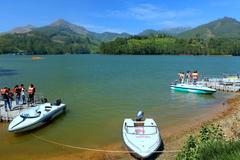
x=226, y=112
x=173, y=136
x=64, y=54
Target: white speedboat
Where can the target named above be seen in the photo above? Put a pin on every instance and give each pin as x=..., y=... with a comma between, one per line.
x=36, y=116
x=198, y=88
x=141, y=137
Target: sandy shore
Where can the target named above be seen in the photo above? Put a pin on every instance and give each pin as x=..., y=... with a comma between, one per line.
x=225, y=114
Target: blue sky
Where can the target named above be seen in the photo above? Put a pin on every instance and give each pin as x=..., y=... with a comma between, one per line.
x=131, y=16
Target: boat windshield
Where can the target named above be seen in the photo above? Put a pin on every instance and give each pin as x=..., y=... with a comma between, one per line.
x=31, y=113
x=141, y=130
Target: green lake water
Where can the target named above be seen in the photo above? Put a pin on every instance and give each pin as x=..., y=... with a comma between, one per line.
x=100, y=91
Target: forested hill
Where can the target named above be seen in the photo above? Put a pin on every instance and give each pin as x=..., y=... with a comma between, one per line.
x=168, y=31
x=163, y=44
x=219, y=37
x=221, y=28
x=59, y=37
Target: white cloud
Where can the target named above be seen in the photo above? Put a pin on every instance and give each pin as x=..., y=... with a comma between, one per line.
x=150, y=16
x=100, y=29
x=151, y=12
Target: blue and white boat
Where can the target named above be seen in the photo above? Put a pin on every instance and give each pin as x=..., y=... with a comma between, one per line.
x=198, y=88
x=36, y=116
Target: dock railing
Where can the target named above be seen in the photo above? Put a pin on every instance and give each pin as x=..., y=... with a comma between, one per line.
x=228, y=84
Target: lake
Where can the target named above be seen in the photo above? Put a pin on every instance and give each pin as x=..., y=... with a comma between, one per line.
x=100, y=91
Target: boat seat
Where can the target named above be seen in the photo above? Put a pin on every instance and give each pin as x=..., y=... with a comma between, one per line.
x=138, y=124
x=48, y=108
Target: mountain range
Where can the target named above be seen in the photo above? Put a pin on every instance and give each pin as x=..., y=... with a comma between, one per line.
x=221, y=28
x=169, y=31
x=65, y=37
x=62, y=25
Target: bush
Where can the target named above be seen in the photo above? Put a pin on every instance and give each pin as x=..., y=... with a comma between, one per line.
x=225, y=150
x=209, y=144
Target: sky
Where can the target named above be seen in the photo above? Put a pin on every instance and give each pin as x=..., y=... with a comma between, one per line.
x=132, y=16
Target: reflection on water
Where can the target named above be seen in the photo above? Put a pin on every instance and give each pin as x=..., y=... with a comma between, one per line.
x=7, y=72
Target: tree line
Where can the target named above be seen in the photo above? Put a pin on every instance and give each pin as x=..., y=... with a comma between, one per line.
x=34, y=43
x=164, y=44
x=37, y=43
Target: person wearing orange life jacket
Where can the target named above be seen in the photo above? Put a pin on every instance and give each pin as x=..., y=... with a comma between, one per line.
x=4, y=93
x=10, y=98
x=31, y=92
x=17, y=91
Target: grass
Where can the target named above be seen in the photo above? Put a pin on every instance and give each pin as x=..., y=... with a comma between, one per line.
x=226, y=150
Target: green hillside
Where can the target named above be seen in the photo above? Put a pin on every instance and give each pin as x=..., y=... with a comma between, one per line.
x=221, y=28
x=60, y=37
x=163, y=44
x=168, y=31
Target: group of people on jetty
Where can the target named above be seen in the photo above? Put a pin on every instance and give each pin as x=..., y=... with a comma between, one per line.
x=19, y=92
x=191, y=77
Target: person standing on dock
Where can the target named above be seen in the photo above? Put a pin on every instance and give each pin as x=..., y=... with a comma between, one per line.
x=17, y=91
x=23, y=97
x=31, y=92
x=4, y=93
x=10, y=98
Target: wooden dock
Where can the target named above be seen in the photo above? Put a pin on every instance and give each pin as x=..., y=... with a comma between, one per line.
x=223, y=84
x=9, y=115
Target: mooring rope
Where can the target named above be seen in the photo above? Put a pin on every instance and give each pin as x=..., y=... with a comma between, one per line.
x=93, y=149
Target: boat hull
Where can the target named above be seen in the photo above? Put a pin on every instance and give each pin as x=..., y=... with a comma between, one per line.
x=193, y=89
x=20, y=124
x=141, y=145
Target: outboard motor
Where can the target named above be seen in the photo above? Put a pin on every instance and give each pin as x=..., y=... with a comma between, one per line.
x=139, y=116
x=44, y=100
x=58, y=102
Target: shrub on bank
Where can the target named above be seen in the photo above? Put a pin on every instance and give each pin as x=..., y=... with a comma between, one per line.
x=209, y=144
x=226, y=150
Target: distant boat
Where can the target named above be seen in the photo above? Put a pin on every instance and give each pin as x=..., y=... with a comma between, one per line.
x=141, y=137
x=34, y=58
x=36, y=116
x=198, y=88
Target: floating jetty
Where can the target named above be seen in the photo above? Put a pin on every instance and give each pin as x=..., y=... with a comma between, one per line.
x=10, y=115
x=229, y=84
x=7, y=116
